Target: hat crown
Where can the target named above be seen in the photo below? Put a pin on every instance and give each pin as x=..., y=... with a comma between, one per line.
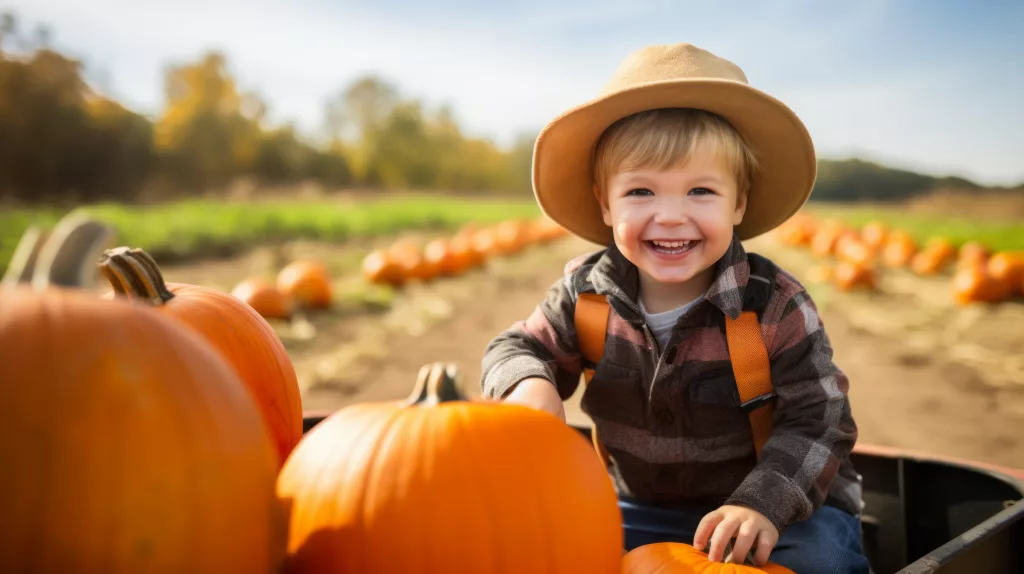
x=671, y=62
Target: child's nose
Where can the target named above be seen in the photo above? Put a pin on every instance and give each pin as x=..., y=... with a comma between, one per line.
x=670, y=214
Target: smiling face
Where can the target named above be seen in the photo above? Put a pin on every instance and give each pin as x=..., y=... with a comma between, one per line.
x=674, y=224
x=672, y=200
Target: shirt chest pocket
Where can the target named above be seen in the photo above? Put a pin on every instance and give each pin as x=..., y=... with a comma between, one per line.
x=714, y=404
x=615, y=394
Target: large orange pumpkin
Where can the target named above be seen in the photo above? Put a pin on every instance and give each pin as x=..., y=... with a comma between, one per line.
x=128, y=445
x=439, y=483
x=307, y=283
x=679, y=558
x=238, y=332
x=264, y=298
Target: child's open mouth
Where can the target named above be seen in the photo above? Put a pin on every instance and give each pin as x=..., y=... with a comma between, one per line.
x=672, y=247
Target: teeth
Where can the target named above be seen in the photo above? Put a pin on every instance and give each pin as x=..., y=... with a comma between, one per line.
x=672, y=244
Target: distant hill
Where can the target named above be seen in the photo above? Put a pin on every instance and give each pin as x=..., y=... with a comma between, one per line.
x=860, y=180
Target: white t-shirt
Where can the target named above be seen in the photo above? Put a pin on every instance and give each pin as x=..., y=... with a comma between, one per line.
x=661, y=324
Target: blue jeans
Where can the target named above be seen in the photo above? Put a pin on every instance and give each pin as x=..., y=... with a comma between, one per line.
x=827, y=542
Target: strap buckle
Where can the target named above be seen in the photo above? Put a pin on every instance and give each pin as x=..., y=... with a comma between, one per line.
x=757, y=402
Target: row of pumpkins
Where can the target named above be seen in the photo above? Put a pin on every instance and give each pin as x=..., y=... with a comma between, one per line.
x=159, y=427
x=307, y=284
x=406, y=260
x=977, y=273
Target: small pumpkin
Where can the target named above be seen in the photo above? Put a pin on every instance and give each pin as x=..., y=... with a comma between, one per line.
x=236, y=330
x=679, y=558
x=874, y=234
x=380, y=267
x=899, y=249
x=824, y=241
x=307, y=283
x=129, y=445
x=511, y=236
x=977, y=285
x=928, y=262
x=440, y=483
x=1008, y=267
x=942, y=248
x=972, y=253
x=439, y=252
x=264, y=298
x=852, y=249
x=849, y=276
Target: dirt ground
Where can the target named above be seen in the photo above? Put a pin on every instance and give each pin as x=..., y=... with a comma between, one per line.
x=925, y=375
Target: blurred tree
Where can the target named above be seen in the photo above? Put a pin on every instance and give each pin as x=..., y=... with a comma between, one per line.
x=355, y=116
x=202, y=136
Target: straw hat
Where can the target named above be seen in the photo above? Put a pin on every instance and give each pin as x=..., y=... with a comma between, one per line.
x=675, y=76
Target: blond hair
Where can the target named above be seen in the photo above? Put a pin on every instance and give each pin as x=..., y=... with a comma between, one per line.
x=662, y=138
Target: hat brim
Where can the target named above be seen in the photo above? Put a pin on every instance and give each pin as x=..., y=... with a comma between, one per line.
x=563, y=173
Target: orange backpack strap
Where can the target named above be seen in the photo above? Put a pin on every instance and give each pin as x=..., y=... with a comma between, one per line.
x=591, y=318
x=752, y=369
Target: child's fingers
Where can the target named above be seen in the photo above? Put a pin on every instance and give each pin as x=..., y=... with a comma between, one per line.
x=723, y=534
x=765, y=545
x=705, y=528
x=744, y=541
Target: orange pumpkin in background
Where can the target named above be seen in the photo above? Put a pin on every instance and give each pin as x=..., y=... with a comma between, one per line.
x=825, y=237
x=928, y=262
x=977, y=285
x=307, y=283
x=874, y=235
x=942, y=249
x=899, y=249
x=510, y=236
x=679, y=558
x=236, y=330
x=852, y=249
x=1008, y=268
x=972, y=254
x=849, y=276
x=264, y=298
x=129, y=444
x=402, y=487
x=439, y=252
x=380, y=267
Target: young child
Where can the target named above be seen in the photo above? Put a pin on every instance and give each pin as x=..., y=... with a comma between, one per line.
x=675, y=163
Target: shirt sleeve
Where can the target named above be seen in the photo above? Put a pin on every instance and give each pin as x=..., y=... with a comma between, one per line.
x=544, y=345
x=813, y=426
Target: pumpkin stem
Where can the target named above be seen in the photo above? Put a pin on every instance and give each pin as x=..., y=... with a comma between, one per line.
x=437, y=383
x=134, y=274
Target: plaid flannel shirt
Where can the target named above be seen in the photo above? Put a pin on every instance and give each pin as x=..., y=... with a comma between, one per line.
x=670, y=419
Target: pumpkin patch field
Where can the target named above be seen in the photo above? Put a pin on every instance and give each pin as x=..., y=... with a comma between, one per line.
x=238, y=317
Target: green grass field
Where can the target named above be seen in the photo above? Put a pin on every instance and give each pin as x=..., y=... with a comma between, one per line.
x=1002, y=235
x=196, y=228
x=189, y=229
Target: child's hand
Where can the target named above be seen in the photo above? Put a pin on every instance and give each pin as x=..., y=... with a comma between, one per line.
x=539, y=394
x=746, y=525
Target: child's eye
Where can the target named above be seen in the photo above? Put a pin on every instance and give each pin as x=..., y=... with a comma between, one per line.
x=640, y=191
x=701, y=191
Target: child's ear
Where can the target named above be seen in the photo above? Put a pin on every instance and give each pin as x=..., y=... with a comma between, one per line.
x=741, y=208
x=603, y=202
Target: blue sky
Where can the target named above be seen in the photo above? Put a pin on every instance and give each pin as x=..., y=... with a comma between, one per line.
x=933, y=85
